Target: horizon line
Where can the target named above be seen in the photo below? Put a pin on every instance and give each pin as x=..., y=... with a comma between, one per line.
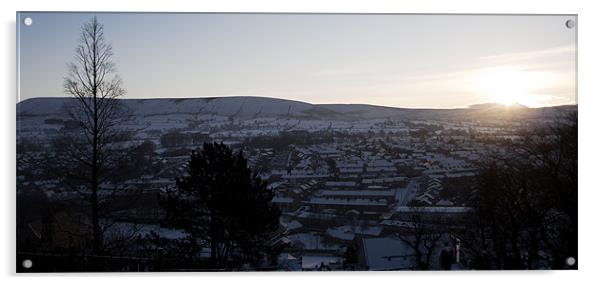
x=318, y=104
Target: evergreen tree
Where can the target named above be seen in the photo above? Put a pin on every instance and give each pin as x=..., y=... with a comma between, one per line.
x=224, y=205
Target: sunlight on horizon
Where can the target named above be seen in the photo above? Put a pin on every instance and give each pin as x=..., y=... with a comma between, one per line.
x=510, y=85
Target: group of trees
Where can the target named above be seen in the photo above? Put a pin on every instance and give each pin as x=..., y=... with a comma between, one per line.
x=222, y=204
x=524, y=205
x=526, y=202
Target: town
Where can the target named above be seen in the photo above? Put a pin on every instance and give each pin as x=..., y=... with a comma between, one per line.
x=350, y=191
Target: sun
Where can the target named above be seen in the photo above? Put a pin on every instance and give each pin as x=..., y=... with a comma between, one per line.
x=509, y=85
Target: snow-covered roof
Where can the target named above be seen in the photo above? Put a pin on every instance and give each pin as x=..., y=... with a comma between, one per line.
x=293, y=225
x=340, y=184
x=282, y=199
x=387, y=254
x=341, y=234
x=445, y=203
x=351, y=202
x=406, y=209
x=369, y=193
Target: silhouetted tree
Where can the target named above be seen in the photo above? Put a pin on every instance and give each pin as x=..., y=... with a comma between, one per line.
x=89, y=154
x=225, y=205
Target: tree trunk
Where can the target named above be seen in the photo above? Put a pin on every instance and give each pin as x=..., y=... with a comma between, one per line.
x=96, y=232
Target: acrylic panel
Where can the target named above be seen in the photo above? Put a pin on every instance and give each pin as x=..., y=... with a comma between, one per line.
x=295, y=142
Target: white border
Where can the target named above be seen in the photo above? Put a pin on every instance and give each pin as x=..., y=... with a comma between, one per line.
x=590, y=75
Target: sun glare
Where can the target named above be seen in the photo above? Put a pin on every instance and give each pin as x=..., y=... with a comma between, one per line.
x=510, y=85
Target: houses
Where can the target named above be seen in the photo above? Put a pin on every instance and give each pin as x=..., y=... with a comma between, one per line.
x=429, y=192
x=392, y=181
x=348, y=233
x=340, y=205
x=338, y=183
x=380, y=165
x=378, y=195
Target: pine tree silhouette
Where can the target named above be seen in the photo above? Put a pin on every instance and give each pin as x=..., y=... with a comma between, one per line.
x=225, y=205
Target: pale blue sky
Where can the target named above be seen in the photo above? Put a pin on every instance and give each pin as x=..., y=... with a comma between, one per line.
x=437, y=61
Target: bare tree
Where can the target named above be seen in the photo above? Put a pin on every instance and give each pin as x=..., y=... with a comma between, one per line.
x=90, y=146
x=422, y=233
x=526, y=200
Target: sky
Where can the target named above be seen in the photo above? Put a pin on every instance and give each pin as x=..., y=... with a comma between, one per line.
x=414, y=61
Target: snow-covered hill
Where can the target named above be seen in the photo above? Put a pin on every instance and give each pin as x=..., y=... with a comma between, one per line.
x=263, y=107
